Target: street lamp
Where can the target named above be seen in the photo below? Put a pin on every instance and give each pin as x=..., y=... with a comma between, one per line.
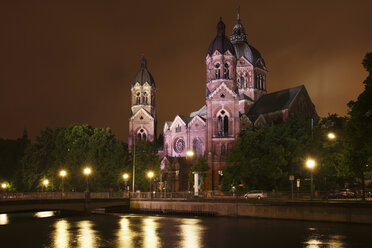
x=62, y=174
x=310, y=163
x=125, y=177
x=87, y=172
x=4, y=186
x=190, y=153
x=331, y=136
x=150, y=175
x=45, y=183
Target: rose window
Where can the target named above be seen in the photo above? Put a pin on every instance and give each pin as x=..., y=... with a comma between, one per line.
x=179, y=146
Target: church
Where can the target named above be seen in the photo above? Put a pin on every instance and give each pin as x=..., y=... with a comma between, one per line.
x=235, y=100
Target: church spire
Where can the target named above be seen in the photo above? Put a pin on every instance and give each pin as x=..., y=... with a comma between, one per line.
x=238, y=16
x=238, y=33
x=143, y=62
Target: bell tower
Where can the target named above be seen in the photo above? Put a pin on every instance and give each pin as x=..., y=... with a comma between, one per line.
x=142, y=120
x=222, y=103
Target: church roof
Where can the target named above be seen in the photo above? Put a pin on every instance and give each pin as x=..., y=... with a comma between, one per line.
x=202, y=111
x=185, y=118
x=241, y=46
x=143, y=75
x=245, y=97
x=221, y=43
x=275, y=101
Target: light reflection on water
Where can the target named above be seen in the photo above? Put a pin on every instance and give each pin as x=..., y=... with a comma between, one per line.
x=87, y=237
x=150, y=231
x=150, y=239
x=125, y=235
x=191, y=230
x=44, y=214
x=62, y=234
x=3, y=219
x=320, y=241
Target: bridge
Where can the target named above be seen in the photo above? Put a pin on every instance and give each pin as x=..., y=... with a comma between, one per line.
x=69, y=202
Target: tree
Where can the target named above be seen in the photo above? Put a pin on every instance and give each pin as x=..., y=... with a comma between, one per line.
x=146, y=159
x=71, y=149
x=359, y=128
x=264, y=158
x=11, y=153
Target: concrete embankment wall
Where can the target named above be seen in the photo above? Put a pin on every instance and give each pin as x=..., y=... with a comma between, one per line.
x=315, y=211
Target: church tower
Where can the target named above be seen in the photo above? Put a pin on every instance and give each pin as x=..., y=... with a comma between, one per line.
x=222, y=104
x=142, y=120
x=250, y=68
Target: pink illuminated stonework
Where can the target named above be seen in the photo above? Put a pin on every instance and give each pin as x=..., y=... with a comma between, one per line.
x=236, y=100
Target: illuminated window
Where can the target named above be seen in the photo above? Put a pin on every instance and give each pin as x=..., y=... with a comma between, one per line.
x=141, y=134
x=217, y=71
x=145, y=98
x=223, y=150
x=178, y=129
x=222, y=124
x=226, y=71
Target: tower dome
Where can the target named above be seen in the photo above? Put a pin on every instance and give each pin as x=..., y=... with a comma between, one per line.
x=143, y=75
x=240, y=43
x=221, y=43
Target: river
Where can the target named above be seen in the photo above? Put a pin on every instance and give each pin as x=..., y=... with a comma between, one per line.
x=45, y=229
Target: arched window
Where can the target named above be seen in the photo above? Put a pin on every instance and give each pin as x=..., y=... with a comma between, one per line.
x=226, y=71
x=197, y=147
x=261, y=83
x=145, y=98
x=223, y=150
x=217, y=71
x=138, y=98
x=141, y=134
x=256, y=81
x=222, y=124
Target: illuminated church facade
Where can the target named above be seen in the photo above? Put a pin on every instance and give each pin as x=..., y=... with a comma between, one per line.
x=236, y=99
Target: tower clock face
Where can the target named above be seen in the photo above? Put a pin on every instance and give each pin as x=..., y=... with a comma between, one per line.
x=179, y=146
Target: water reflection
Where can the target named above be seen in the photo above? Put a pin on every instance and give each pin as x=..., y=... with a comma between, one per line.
x=62, y=234
x=191, y=230
x=318, y=241
x=87, y=237
x=125, y=235
x=4, y=219
x=150, y=238
x=44, y=214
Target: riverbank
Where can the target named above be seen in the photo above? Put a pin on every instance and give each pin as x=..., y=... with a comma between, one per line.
x=331, y=211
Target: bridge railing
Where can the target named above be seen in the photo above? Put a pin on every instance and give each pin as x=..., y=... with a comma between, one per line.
x=59, y=196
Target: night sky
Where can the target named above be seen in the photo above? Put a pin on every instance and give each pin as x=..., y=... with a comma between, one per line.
x=64, y=62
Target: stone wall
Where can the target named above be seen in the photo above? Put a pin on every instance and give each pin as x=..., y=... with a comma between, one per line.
x=333, y=212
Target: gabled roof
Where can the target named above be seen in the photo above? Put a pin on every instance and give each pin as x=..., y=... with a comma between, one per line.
x=223, y=85
x=197, y=117
x=184, y=119
x=144, y=111
x=275, y=101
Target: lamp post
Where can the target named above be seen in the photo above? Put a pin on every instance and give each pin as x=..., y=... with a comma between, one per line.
x=45, y=183
x=150, y=175
x=4, y=186
x=62, y=174
x=125, y=177
x=87, y=171
x=331, y=136
x=190, y=154
x=310, y=163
